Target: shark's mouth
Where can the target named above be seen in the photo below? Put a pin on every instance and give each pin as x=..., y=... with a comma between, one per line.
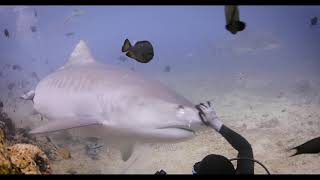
x=185, y=128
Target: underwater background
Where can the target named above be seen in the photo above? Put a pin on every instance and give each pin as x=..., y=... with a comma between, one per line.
x=264, y=81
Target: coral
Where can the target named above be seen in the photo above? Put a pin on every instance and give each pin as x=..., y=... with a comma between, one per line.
x=6, y=166
x=21, y=136
x=19, y=158
x=63, y=153
x=93, y=148
x=29, y=159
x=21, y=153
x=7, y=125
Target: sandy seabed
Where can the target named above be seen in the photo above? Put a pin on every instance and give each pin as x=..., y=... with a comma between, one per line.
x=271, y=123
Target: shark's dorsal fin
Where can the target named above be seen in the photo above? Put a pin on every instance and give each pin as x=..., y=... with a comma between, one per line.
x=80, y=55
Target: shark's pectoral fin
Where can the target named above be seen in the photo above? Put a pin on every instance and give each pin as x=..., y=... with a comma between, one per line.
x=126, y=150
x=64, y=124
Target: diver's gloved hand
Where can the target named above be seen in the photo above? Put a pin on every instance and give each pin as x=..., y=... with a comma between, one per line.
x=209, y=116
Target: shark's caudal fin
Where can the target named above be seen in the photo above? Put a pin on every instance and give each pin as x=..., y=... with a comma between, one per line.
x=80, y=55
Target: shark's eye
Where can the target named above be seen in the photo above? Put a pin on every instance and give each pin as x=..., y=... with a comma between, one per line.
x=180, y=110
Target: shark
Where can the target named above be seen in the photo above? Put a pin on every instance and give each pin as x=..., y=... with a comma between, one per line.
x=112, y=103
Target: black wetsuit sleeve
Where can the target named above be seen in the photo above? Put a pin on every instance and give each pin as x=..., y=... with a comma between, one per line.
x=243, y=147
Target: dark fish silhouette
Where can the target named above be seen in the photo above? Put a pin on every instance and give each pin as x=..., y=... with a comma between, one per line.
x=6, y=33
x=17, y=67
x=309, y=147
x=33, y=28
x=11, y=86
x=142, y=51
x=35, y=12
x=313, y=21
x=233, y=23
x=167, y=68
x=70, y=34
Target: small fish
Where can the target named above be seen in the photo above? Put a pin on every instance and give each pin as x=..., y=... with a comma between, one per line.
x=33, y=28
x=75, y=13
x=142, y=51
x=7, y=66
x=6, y=33
x=167, y=68
x=309, y=147
x=17, y=67
x=313, y=21
x=70, y=34
x=233, y=23
x=35, y=12
x=241, y=76
x=11, y=86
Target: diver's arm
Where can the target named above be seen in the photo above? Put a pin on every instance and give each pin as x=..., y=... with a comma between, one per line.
x=242, y=146
x=238, y=142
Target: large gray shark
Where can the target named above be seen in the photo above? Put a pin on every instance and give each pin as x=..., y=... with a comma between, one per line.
x=112, y=102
